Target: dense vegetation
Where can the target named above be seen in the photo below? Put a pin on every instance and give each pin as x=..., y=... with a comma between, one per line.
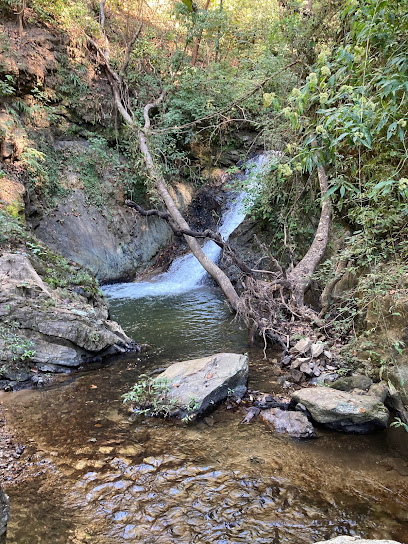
x=325, y=83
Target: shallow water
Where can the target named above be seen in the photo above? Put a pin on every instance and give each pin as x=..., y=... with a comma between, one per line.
x=98, y=477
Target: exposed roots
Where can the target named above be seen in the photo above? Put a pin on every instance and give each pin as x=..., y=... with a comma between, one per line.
x=269, y=312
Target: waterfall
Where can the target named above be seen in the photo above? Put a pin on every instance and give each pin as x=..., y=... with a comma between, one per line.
x=186, y=273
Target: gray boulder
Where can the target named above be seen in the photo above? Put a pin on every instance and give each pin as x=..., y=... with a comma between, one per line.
x=4, y=515
x=349, y=412
x=355, y=540
x=61, y=334
x=203, y=383
x=358, y=381
x=295, y=424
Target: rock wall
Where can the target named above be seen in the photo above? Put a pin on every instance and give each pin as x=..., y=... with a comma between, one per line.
x=115, y=243
x=41, y=331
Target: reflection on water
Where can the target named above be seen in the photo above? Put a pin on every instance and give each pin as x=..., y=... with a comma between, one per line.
x=188, y=325
x=98, y=478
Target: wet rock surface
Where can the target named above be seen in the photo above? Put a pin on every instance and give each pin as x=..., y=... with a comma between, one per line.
x=204, y=383
x=52, y=334
x=113, y=248
x=295, y=424
x=349, y=412
x=4, y=515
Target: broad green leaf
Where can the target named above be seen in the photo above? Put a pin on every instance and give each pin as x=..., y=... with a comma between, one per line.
x=391, y=130
x=189, y=4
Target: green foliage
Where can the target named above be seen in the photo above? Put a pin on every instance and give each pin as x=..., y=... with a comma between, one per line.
x=399, y=423
x=150, y=396
x=17, y=345
x=189, y=4
x=349, y=113
x=7, y=86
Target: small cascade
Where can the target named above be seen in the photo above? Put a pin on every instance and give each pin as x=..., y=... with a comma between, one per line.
x=186, y=273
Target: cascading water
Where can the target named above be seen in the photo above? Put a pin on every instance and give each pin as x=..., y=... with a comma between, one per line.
x=186, y=273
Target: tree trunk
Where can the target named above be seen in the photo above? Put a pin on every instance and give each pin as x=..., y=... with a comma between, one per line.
x=20, y=16
x=198, y=40
x=300, y=276
x=217, y=274
x=217, y=44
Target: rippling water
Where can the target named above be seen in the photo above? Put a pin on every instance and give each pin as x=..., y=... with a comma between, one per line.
x=97, y=477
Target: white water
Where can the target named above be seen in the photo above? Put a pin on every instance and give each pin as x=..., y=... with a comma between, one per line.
x=186, y=273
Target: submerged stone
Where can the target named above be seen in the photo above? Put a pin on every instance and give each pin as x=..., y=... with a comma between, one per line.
x=295, y=424
x=196, y=386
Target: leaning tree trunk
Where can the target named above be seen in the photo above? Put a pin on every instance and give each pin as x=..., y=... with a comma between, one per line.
x=215, y=271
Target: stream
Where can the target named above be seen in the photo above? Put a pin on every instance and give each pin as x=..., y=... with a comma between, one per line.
x=98, y=476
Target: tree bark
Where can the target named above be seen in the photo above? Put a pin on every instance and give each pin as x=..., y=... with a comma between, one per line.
x=300, y=276
x=20, y=17
x=215, y=271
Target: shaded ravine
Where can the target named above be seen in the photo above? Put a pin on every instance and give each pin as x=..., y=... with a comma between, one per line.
x=186, y=273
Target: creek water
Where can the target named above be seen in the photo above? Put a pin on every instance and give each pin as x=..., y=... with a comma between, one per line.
x=97, y=476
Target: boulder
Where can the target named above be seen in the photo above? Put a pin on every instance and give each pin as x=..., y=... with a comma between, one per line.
x=316, y=350
x=379, y=390
x=324, y=378
x=355, y=540
x=295, y=424
x=343, y=411
x=349, y=383
x=296, y=363
x=203, y=383
x=4, y=515
x=52, y=333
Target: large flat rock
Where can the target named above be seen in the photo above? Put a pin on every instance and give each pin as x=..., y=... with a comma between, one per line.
x=203, y=383
x=349, y=412
x=61, y=333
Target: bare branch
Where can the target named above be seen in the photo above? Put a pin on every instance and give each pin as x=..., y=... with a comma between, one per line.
x=150, y=106
x=129, y=49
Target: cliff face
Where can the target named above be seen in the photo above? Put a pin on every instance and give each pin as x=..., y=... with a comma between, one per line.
x=62, y=168
x=114, y=242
